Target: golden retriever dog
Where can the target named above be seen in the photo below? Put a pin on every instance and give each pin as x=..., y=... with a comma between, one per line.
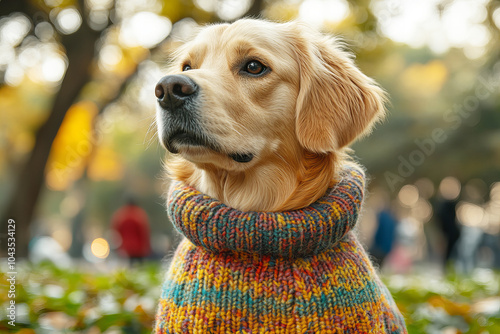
x=258, y=115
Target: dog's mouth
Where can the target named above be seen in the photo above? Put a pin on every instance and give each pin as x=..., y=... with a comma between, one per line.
x=178, y=139
x=181, y=138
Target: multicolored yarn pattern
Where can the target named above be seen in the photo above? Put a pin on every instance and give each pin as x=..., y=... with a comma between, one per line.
x=213, y=225
x=300, y=271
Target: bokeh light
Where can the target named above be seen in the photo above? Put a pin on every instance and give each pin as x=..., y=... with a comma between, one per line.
x=14, y=29
x=68, y=20
x=427, y=23
x=144, y=29
x=110, y=56
x=422, y=210
x=408, y=195
x=100, y=248
x=470, y=214
x=450, y=188
x=14, y=74
x=232, y=9
x=206, y=5
x=496, y=17
x=319, y=12
x=53, y=68
x=44, y=31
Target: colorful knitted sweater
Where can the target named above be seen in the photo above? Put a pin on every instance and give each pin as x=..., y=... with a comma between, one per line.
x=299, y=271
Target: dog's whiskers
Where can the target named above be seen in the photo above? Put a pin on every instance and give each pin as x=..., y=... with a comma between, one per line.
x=148, y=137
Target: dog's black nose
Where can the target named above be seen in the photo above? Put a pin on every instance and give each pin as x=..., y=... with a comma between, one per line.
x=173, y=90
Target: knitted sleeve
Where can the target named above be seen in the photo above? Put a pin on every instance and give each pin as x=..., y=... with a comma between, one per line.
x=217, y=227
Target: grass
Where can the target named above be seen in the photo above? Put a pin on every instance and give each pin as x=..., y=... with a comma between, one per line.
x=452, y=304
x=54, y=300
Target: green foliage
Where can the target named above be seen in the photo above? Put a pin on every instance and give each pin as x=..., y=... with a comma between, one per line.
x=455, y=303
x=50, y=299
x=124, y=301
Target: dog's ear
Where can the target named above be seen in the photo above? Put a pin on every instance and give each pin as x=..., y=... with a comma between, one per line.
x=336, y=102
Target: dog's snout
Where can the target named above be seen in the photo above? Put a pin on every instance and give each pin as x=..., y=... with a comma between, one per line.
x=173, y=90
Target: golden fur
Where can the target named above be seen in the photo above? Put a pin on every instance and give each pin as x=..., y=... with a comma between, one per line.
x=297, y=119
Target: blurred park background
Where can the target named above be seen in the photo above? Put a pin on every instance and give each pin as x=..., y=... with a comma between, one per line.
x=77, y=140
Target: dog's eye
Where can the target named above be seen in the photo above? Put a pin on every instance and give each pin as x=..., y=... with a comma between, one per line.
x=254, y=67
x=186, y=67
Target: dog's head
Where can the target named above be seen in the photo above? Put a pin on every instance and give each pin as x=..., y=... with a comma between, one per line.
x=240, y=94
x=236, y=91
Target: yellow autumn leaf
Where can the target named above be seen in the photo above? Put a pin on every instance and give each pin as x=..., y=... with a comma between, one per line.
x=451, y=307
x=72, y=146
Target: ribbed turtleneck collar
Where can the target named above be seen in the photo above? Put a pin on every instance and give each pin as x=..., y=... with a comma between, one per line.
x=209, y=223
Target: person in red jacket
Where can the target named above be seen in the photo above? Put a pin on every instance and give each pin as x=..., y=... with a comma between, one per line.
x=131, y=223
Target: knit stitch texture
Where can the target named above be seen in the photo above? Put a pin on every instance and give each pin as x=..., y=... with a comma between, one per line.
x=299, y=271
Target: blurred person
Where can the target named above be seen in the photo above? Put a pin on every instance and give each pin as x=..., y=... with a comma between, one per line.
x=406, y=246
x=495, y=239
x=131, y=224
x=385, y=235
x=446, y=215
x=447, y=221
x=488, y=251
x=467, y=246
